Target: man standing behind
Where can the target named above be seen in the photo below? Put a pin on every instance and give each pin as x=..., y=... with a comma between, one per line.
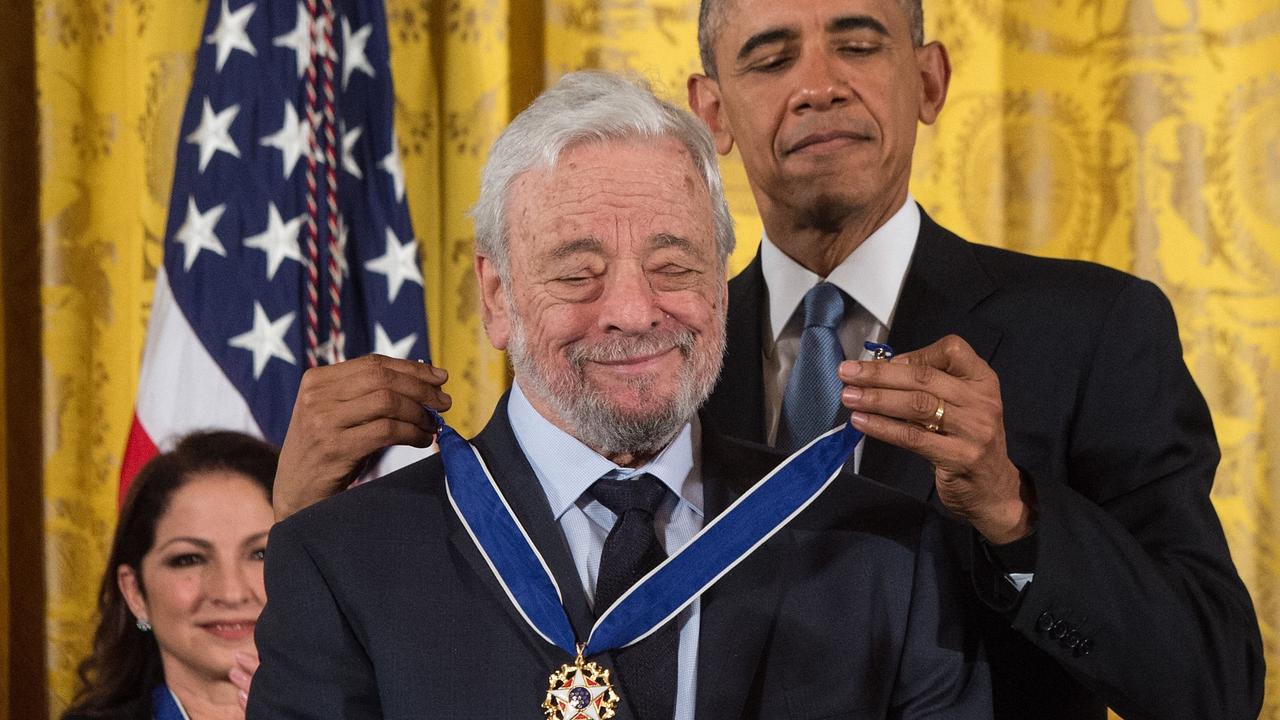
x=1046, y=403
x=602, y=238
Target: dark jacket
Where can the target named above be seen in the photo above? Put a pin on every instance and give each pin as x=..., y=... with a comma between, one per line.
x=1135, y=603
x=379, y=605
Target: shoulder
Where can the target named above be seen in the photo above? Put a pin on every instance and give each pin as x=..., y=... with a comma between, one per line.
x=1013, y=269
x=1069, y=295
x=396, y=506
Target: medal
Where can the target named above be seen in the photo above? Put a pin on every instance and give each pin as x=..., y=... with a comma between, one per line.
x=580, y=691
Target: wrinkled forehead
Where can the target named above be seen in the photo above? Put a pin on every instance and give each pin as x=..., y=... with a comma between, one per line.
x=745, y=13
x=634, y=187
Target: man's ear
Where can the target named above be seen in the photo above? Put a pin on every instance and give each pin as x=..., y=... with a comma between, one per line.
x=935, y=77
x=493, y=300
x=131, y=589
x=704, y=100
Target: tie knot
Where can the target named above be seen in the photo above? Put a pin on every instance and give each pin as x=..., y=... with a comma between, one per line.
x=823, y=306
x=643, y=492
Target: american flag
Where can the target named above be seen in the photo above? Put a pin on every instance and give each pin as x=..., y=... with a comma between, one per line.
x=288, y=240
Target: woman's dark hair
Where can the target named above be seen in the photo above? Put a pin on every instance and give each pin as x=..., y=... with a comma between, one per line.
x=125, y=662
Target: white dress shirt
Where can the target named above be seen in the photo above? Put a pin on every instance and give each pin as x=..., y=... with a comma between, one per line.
x=566, y=469
x=872, y=275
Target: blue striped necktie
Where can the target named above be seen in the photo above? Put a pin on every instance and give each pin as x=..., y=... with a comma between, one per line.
x=811, y=402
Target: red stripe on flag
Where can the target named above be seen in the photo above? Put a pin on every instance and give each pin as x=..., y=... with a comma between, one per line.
x=137, y=451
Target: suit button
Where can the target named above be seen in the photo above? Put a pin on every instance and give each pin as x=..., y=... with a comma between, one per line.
x=1071, y=641
x=1084, y=648
x=1045, y=621
x=1059, y=630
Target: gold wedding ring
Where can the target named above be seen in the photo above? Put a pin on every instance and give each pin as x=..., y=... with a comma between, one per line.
x=935, y=424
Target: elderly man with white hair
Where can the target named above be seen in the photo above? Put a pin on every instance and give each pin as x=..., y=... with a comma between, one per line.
x=595, y=552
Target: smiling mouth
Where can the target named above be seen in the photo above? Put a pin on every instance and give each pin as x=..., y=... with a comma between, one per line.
x=636, y=362
x=236, y=630
x=825, y=140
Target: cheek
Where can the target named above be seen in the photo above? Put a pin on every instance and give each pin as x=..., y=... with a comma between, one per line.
x=696, y=309
x=552, y=326
x=175, y=595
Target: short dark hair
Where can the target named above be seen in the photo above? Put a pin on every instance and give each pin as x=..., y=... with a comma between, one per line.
x=125, y=663
x=711, y=22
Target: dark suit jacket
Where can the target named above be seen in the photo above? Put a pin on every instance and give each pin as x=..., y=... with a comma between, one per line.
x=1135, y=602
x=379, y=605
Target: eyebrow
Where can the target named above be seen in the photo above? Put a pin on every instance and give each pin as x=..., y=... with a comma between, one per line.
x=857, y=22
x=666, y=240
x=194, y=541
x=844, y=23
x=206, y=545
x=766, y=37
x=573, y=247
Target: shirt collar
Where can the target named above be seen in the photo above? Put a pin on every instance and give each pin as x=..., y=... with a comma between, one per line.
x=872, y=275
x=566, y=468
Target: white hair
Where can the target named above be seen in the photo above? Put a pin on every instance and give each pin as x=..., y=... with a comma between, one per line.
x=588, y=106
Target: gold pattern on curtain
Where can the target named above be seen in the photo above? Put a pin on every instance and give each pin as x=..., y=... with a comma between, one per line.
x=1136, y=133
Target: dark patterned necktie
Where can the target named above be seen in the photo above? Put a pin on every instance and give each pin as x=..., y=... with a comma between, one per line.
x=647, y=669
x=811, y=402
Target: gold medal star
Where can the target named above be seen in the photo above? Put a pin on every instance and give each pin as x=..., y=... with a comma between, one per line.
x=581, y=699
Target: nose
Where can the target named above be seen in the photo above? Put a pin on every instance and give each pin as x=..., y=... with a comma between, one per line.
x=629, y=303
x=820, y=85
x=230, y=584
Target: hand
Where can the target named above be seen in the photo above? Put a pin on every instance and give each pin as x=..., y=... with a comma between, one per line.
x=344, y=413
x=242, y=675
x=895, y=401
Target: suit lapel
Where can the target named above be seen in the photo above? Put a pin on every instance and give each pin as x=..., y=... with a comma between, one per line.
x=738, y=612
x=736, y=406
x=519, y=485
x=943, y=285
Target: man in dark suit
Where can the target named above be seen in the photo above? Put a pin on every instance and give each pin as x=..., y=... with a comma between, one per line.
x=602, y=241
x=1066, y=429
x=1045, y=402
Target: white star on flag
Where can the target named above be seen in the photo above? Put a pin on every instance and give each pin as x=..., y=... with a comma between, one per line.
x=349, y=140
x=278, y=241
x=393, y=167
x=353, y=57
x=197, y=234
x=265, y=340
x=325, y=351
x=343, y=234
x=399, y=349
x=571, y=706
x=230, y=34
x=400, y=263
x=293, y=139
x=298, y=40
x=213, y=134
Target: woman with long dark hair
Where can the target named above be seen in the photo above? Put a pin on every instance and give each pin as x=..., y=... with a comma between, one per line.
x=183, y=584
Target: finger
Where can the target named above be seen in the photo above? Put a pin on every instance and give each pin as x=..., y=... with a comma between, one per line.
x=375, y=405
x=247, y=661
x=940, y=450
x=915, y=406
x=381, y=433
x=407, y=379
x=903, y=376
x=952, y=355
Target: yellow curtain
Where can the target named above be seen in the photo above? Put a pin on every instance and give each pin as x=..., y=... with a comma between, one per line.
x=1137, y=133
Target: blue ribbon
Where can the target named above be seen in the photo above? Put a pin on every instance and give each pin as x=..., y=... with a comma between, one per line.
x=668, y=588
x=163, y=704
